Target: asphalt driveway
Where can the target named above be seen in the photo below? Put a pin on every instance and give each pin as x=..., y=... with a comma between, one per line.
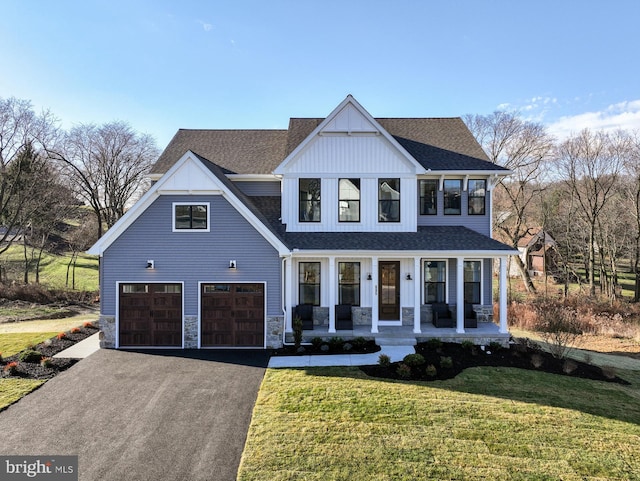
x=142, y=416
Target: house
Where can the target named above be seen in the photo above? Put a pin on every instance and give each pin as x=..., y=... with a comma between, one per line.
x=538, y=253
x=362, y=225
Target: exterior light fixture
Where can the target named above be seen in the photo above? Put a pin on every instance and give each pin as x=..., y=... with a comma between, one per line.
x=151, y=264
x=369, y=276
x=232, y=264
x=409, y=277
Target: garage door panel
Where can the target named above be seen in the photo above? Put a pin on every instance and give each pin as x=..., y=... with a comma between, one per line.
x=150, y=315
x=232, y=315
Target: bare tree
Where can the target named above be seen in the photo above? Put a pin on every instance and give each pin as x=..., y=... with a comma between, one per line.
x=22, y=132
x=631, y=202
x=590, y=164
x=523, y=147
x=106, y=166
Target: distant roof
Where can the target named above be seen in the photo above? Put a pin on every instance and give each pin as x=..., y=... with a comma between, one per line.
x=436, y=143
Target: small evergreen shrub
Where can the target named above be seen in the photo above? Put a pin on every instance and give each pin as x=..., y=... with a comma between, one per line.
x=434, y=344
x=359, y=343
x=11, y=368
x=468, y=345
x=324, y=347
x=569, y=365
x=431, y=370
x=446, y=362
x=414, y=360
x=403, y=371
x=297, y=332
x=384, y=360
x=316, y=342
x=609, y=372
x=495, y=346
x=46, y=362
x=335, y=343
x=29, y=355
x=537, y=360
x=347, y=346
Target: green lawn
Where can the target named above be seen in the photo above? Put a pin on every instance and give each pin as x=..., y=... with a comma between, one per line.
x=14, y=342
x=487, y=423
x=53, y=269
x=13, y=389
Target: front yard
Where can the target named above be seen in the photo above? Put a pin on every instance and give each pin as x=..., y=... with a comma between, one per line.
x=487, y=423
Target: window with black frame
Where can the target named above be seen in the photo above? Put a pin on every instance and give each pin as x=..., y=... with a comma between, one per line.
x=349, y=200
x=309, y=283
x=389, y=200
x=452, y=197
x=190, y=217
x=435, y=281
x=472, y=282
x=309, y=200
x=477, y=190
x=349, y=283
x=428, y=196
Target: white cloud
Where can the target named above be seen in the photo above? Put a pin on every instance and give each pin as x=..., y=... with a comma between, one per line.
x=207, y=27
x=623, y=115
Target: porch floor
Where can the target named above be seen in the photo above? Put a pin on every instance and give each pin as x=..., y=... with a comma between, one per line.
x=404, y=335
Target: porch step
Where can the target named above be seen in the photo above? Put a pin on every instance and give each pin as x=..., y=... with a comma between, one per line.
x=395, y=341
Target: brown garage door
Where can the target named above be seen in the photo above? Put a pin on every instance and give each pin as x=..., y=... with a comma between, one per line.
x=232, y=315
x=150, y=315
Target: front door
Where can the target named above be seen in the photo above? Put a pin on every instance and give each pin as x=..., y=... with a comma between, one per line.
x=389, y=298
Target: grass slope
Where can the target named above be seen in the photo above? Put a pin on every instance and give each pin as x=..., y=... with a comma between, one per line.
x=14, y=342
x=12, y=390
x=487, y=423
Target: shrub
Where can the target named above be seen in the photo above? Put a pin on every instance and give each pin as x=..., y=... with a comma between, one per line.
x=1, y=360
x=468, y=345
x=609, y=372
x=495, y=346
x=431, y=371
x=297, y=332
x=324, y=347
x=558, y=325
x=11, y=368
x=359, y=343
x=446, y=362
x=404, y=371
x=88, y=324
x=569, y=366
x=335, y=343
x=414, y=360
x=46, y=362
x=347, y=346
x=384, y=360
x=537, y=360
x=75, y=330
x=434, y=344
x=316, y=342
x=61, y=335
x=29, y=355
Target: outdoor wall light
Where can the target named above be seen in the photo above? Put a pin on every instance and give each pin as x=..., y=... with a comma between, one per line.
x=232, y=264
x=409, y=277
x=369, y=276
x=151, y=264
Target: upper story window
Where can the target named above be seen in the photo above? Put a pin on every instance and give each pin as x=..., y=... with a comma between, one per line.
x=477, y=192
x=452, y=197
x=309, y=190
x=429, y=197
x=190, y=217
x=389, y=200
x=349, y=200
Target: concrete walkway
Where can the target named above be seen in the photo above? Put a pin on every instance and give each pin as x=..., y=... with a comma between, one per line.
x=396, y=353
x=81, y=349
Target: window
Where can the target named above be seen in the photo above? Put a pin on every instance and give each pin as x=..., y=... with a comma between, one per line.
x=452, y=196
x=309, y=283
x=477, y=193
x=349, y=283
x=309, y=191
x=190, y=217
x=349, y=200
x=472, y=279
x=389, y=200
x=435, y=281
x=429, y=197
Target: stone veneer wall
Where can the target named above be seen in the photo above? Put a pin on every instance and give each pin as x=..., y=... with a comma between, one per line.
x=320, y=316
x=275, y=329
x=107, y=332
x=483, y=313
x=191, y=332
x=361, y=316
x=407, y=316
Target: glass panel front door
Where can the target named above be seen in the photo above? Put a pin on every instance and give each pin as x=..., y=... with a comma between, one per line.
x=389, y=295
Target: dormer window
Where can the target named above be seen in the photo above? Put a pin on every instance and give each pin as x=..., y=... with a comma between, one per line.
x=309, y=196
x=389, y=200
x=349, y=200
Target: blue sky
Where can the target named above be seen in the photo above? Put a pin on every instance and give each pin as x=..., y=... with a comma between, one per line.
x=163, y=65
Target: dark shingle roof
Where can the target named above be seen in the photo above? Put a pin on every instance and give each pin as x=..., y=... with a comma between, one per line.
x=436, y=143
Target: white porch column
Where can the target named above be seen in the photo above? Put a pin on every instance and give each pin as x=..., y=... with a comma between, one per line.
x=417, y=285
x=460, y=295
x=333, y=285
x=503, y=295
x=374, y=295
x=288, y=282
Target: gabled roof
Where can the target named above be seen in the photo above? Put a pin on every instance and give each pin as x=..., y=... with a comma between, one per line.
x=436, y=144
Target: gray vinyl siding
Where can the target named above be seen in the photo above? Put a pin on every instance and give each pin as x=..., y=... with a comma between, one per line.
x=258, y=189
x=478, y=223
x=191, y=257
x=487, y=281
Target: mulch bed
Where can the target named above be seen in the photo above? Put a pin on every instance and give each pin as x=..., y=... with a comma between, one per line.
x=34, y=370
x=335, y=346
x=525, y=355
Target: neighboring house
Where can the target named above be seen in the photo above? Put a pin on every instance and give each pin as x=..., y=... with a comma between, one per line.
x=538, y=254
x=381, y=217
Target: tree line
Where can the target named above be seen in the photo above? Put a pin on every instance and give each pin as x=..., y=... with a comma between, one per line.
x=61, y=188
x=584, y=190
